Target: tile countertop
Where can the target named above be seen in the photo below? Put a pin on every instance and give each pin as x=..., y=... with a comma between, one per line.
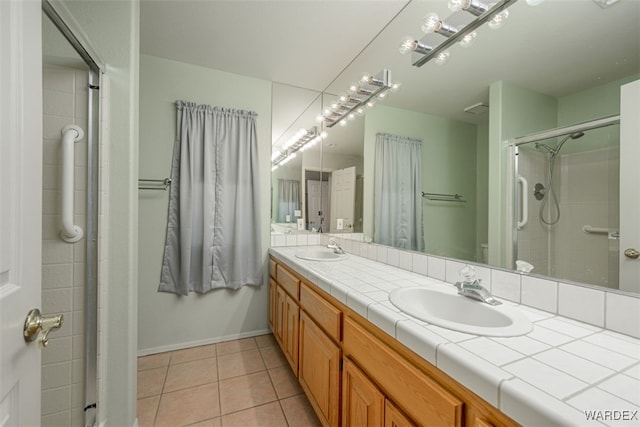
x=563, y=372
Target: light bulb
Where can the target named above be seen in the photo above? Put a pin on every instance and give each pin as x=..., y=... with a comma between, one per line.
x=319, y=118
x=274, y=168
x=371, y=104
x=351, y=116
x=360, y=112
x=382, y=95
x=334, y=106
x=456, y=5
x=327, y=112
x=275, y=155
x=367, y=78
x=343, y=122
x=468, y=39
x=498, y=20
x=442, y=58
x=343, y=98
x=353, y=89
x=431, y=23
x=324, y=135
x=408, y=44
x=395, y=86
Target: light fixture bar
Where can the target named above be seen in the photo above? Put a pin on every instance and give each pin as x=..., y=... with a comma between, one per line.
x=473, y=25
x=381, y=82
x=301, y=141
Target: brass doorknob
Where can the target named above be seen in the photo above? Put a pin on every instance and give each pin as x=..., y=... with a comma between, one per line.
x=36, y=322
x=632, y=253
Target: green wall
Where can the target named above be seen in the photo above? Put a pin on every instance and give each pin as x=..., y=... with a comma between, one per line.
x=165, y=321
x=448, y=166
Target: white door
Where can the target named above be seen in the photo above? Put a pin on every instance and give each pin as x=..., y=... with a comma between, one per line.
x=629, y=186
x=315, y=202
x=20, y=207
x=343, y=199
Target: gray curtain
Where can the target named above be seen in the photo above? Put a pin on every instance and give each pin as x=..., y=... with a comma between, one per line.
x=398, y=192
x=213, y=235
x=288, y=198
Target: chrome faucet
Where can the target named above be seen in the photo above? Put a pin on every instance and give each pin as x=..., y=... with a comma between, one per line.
x=335, y=246
x=470, y=287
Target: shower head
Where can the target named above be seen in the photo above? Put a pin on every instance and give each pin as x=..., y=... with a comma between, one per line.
x=574, y=135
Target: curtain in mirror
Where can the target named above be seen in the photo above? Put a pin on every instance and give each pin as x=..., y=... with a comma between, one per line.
x=213, y=228
x=288, y=199
x=398, y=192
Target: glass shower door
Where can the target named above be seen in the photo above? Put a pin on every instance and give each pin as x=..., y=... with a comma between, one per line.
x=572, y=202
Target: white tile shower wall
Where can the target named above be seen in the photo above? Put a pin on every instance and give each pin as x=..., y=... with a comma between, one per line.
x=621, y=312
x=63, y=267
x=533, y=244
x=589, y=195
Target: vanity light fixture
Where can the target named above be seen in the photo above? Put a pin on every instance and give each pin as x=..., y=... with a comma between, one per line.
x=494, y=14
x=300, y=141
x=359, y=97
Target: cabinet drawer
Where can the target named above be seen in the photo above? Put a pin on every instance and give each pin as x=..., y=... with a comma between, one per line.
x=421, y=398
x=288, y=281
x=272, y=268
x=325, y=315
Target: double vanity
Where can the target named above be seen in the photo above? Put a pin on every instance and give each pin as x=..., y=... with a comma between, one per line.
x=373, y=344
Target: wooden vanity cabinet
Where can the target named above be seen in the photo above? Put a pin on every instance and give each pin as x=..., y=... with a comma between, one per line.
x=355, y=375
x=363, y=404
x=286, y=313
x=319, y=373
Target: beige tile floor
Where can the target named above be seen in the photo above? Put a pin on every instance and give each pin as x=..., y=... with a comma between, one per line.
x=245, y=383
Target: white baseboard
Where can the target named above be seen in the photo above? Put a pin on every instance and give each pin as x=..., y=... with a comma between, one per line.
x=212, y=340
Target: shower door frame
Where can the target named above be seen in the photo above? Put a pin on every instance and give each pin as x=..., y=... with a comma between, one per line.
x=92, y=214
x=539, y=136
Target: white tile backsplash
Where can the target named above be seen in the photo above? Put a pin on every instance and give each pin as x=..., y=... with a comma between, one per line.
x=583, y=304
x=437, y=267
x=505, y=285
x=623, y=314
x=419, y=263
x=540, y=293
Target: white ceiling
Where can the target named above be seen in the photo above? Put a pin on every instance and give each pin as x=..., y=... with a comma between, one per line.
x=307, y=46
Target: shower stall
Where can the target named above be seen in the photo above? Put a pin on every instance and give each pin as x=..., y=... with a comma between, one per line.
x=567, y=202
x=69, y=224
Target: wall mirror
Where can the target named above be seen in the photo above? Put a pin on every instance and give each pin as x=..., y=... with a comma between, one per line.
x=542, y=70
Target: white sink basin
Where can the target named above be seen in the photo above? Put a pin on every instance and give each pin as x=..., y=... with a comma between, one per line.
x=452, y=311
x=319, y=254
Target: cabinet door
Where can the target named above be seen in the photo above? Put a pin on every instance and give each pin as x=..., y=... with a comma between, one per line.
x=281, y=298
x=362, y=402
x=394, y=417
x=319, y=372
x=291, y=319
x=272, y=304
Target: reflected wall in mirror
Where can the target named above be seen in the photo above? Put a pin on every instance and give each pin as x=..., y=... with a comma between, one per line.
x=527, y=77
x=291, y=198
